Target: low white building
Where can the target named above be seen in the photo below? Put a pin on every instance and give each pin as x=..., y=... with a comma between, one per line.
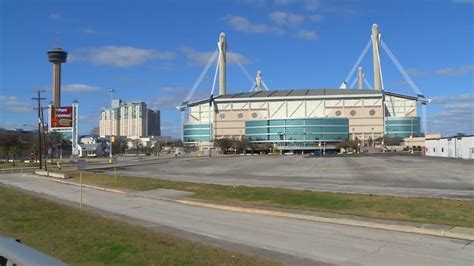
x=90, y=150
x=453, y=147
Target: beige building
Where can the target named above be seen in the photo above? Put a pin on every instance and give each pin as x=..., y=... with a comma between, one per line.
x=125, y=119
x=302, y=117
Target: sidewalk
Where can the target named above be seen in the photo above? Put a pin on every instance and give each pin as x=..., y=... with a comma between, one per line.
x=293, y=238
x=325, y=217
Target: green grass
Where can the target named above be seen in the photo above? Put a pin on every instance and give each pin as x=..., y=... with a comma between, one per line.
x=81, y=238
x=17, y=165
x=415, y=209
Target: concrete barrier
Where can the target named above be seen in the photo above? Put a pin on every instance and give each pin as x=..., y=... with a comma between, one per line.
x=59, y=175
x=52, y=174
x=41, y=172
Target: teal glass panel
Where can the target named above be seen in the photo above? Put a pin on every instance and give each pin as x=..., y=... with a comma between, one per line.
x=256, y=123
x=257, y=130
x=278, y=122
x=276, y=129
x=298, y=122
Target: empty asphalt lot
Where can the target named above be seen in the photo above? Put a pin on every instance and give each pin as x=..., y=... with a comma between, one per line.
x=378, y=174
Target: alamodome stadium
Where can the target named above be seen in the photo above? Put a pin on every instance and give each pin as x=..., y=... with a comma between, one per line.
x=306, y=118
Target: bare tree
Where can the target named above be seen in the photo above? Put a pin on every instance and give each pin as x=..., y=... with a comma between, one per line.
x=225, y=144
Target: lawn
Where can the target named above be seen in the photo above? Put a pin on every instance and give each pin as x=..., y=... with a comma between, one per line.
x=415, y=209
x=17, y=165
x=81, y=238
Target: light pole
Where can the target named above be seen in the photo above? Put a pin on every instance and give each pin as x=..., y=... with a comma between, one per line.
x=111, y=92
x=40, y=122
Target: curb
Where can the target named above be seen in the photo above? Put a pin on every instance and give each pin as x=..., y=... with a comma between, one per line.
x=450, y=232
x=462, y=233
x=83, y=185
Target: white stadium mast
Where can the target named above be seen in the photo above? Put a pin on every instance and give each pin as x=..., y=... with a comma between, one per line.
x=377, y=42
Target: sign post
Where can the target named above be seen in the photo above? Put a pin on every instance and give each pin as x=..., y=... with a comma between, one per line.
x=66, y=120
x=81, y=166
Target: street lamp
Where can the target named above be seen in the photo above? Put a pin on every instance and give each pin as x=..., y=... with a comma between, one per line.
x=111, y=92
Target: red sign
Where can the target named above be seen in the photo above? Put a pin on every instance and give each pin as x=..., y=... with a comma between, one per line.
x=61, y=117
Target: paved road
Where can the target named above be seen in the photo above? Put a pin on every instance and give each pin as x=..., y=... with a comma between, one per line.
x=389, y=175
x=296, y=241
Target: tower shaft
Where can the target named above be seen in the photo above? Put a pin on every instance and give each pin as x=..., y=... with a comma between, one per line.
x=360, y=77
x=258, y=81
x=376, y=54
x=56, y=86
x=222, y=45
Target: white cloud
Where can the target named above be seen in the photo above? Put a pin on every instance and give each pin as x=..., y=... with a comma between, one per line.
x=13, y=104
x=414, y=72
x=119, y=56
x=463, y=1
x=340, y=9
x=243, y=24
x=468, y=97
x=201, y=58
x=169, y=129
x=88, y=31
x=283, y=2
x=286, y=19
x=54, y=16
x=83, y=88
x=316, y=17
x=311, y=5
x=307, y=35
x=456, y=116
x=173, y=90
x=460, y=71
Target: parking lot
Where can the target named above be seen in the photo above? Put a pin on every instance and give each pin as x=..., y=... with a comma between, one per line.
x=376, y=174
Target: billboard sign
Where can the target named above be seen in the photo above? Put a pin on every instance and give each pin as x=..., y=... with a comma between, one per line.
x=61, y=117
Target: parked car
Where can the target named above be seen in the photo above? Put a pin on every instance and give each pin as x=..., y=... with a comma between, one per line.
x=289, y=153
x=316, y=153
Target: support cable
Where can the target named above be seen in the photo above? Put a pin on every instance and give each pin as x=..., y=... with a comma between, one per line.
x=401, y=69
x=265, y=85
x=215, y=74
x=254, y=85
x=368, y=84
x=353, y=83
x=249, y=77
x=357, y=63
x=201, y=76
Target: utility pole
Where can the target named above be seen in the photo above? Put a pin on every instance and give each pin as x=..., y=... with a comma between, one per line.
x=111, y=91
x=44, y=140
x=38, y=99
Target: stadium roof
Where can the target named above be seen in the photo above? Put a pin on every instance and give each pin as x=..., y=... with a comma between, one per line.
x=302, y=93
x=298, y=93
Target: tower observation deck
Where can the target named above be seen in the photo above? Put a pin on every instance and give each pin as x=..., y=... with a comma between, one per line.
x=57, y=56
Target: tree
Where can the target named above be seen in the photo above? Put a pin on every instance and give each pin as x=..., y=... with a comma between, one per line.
x=52, y=142
x=119, y=146
x=14, y=151
x=225, y=144
x=348, y=145
x=11, y=144
x=241, y=145
x=137, y=143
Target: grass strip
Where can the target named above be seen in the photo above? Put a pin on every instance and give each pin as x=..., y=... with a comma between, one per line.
x=81, y=238
x=414, y=209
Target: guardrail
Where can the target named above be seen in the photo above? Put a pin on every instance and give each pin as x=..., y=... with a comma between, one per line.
x=13, y=252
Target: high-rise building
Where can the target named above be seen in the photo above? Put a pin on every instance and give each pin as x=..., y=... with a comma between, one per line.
x=154, y=126
x=129, y=120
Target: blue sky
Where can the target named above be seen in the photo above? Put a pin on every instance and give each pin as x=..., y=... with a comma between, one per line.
x=153, y=51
